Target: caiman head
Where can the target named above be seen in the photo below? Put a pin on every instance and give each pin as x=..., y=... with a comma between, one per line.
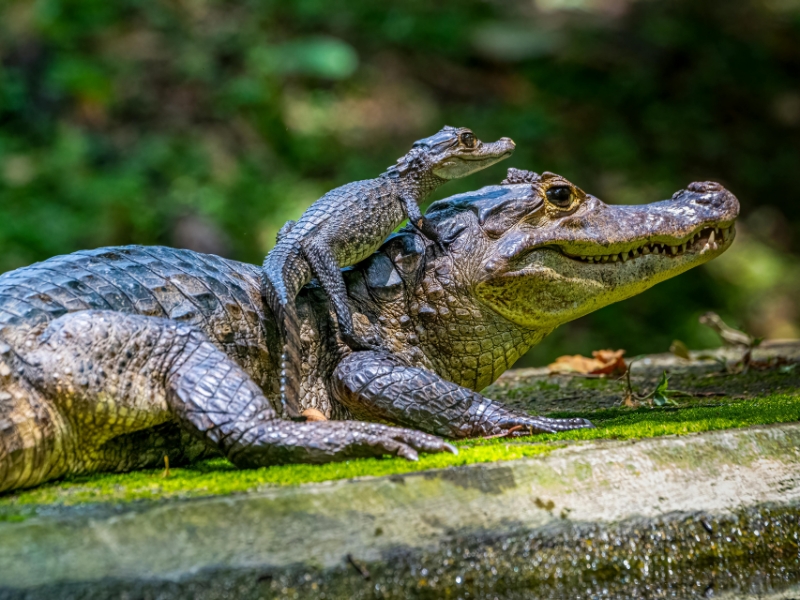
x=451, y=153
x=540, y=251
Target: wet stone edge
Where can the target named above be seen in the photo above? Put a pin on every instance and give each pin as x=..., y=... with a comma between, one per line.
x=749, y=552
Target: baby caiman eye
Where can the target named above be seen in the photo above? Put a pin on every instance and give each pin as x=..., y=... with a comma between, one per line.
x=468, y=139
x=560, y=195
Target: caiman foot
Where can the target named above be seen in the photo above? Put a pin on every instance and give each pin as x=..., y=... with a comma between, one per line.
x=517, y=426
x=327, y=441
x=424, y=226
x=358, y=344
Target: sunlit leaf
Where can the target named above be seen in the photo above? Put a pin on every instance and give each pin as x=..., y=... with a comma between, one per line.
x=660, y=399
x=679, y=349
x=661, y=388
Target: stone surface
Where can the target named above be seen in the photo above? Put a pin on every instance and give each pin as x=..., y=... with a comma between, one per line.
x=711, y=372
x=601, y=486
x=716, y=513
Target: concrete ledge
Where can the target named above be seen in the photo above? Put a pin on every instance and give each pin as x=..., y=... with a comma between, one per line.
x=655, y=515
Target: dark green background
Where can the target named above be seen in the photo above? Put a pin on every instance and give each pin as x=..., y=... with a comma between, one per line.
x=209, y=123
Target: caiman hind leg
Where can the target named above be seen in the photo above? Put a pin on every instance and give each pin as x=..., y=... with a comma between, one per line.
x=326, y=269
x=379, y=386
x=33, y=442
x=112, y=374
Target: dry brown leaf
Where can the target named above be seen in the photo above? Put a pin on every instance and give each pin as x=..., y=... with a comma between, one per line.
x=603, y=362
x=630, y=402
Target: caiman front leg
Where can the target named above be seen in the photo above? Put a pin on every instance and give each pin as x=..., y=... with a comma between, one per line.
x=324, y=266
x=378, y=386
x=115, y=373
x=420, y=222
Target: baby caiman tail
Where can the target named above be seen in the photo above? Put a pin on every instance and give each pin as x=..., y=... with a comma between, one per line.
x=281, y=301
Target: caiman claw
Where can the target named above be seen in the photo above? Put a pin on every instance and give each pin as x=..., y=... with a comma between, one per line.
x=376, y=439
x=518, y=426
x=423, y=225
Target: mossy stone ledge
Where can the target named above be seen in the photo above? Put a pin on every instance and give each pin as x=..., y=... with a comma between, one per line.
x=686, y=501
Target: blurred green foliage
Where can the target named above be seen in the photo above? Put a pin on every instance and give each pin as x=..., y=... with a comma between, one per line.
x=208, y=123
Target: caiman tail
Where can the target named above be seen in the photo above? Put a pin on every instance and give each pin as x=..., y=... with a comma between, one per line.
x=281, y=300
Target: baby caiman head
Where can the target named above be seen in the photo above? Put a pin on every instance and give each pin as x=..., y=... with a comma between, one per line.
x=540, y=251
x=454, y=152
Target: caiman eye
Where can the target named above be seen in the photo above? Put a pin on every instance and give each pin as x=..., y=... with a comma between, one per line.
x=468, y=139
x=560, y=195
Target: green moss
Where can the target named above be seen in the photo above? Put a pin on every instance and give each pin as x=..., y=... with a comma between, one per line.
x=219, y=477
x=693, y=415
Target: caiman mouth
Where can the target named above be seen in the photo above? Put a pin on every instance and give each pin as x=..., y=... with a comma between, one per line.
x=705, y=240
x=486, y=155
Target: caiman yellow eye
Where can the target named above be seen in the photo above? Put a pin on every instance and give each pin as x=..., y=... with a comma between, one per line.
x=560, y=195
x=468, y=139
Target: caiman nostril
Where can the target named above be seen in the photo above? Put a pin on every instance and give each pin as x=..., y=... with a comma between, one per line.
x=702, y=187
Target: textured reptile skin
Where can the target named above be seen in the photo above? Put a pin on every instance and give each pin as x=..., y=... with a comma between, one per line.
x=112, y=358
x=105, y=354
x=381, y=386
x=348, y=224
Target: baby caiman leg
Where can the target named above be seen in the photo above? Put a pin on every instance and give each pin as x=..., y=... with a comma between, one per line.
x=420, y=222
x=326, y=269
x=379, y=386
x=119, y=373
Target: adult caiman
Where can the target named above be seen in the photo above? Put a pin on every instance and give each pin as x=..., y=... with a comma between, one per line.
x=111, y=359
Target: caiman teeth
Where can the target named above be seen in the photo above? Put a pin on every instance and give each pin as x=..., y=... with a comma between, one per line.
x=710, y=244
x=709, y=237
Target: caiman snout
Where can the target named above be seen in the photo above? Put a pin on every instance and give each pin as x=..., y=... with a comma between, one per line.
x=507, y=141
x=705, y=186
x=708, y=194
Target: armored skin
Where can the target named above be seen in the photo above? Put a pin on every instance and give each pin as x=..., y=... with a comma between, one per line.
x=348, y=224
x=112, y=358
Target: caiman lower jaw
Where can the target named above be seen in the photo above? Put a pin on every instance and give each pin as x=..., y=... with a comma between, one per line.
x=705, y=240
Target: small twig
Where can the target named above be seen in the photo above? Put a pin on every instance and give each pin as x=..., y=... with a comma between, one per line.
x=631, y=394
x=628, y=378
x=729, y=335
x=576, y=374
x=360, y=569
x=696, y=394
x=733, y=337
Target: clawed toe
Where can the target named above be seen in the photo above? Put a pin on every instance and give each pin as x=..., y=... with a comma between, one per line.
x=408, y=453
x=357, y=344
x=408, y=443
x=450, y=448
x=539, y=425
x=425, y=442
x=559, y=425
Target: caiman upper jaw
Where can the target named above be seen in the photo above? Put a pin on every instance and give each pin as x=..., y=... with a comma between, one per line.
x=502, y=148
x=707, y=239
x=489, y=152
x=697, y=220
